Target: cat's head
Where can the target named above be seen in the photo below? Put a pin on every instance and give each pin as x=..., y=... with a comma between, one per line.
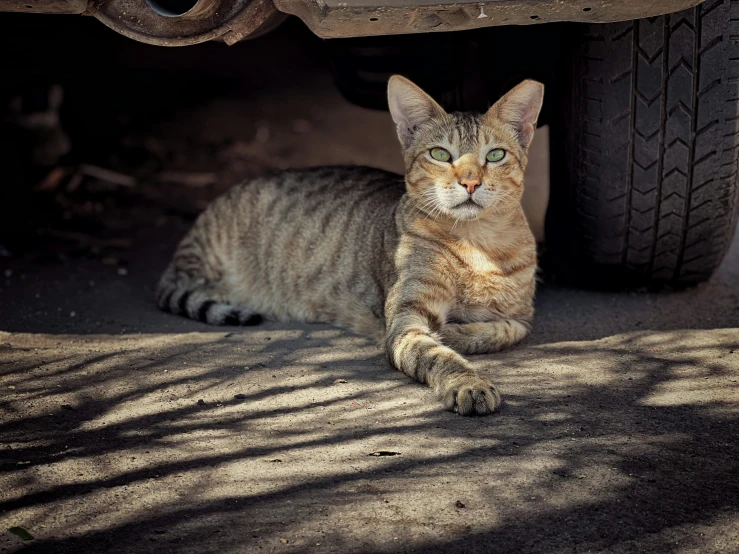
x=464, y=165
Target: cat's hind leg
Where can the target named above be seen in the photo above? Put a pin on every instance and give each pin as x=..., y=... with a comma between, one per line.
x=483, y=337
x=197, y=297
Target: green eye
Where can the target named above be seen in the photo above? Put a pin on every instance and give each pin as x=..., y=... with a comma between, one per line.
x=495, y=155
x=440, y=154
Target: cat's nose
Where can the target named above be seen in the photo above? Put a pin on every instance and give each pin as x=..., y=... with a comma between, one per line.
x=470, y=184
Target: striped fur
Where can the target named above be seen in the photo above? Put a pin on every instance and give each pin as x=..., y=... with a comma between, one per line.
x=431, y=268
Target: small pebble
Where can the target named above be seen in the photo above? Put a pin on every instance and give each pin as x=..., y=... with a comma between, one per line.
x=459, y=504
x=201, y=402
x=122, y=271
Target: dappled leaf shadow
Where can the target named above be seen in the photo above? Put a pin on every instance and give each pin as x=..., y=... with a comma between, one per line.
x=603, y=444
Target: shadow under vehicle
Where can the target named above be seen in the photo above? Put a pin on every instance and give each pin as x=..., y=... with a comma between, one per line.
x=642, y=102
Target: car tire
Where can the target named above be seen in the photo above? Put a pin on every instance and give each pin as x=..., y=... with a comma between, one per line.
x=644, y=188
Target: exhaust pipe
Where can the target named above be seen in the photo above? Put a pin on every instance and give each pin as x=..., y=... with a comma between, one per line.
x=185, y=22
x=181, y=8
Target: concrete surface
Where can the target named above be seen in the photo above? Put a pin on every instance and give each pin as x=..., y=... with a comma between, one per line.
x=618, y=432
x=126, y=430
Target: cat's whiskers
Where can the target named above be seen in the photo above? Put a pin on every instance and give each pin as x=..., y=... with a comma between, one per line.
x=455, y=223
x=434, y=214
x=427, y=207
x=495, y=207
x=430, y=204
x=504, y=201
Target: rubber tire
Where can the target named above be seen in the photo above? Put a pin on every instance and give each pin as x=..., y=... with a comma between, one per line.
x=648, y=190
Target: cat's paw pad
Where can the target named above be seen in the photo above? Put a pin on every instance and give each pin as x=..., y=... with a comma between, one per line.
x=472, y=396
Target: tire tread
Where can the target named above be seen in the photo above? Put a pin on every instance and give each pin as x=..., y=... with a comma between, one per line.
x=662, y=204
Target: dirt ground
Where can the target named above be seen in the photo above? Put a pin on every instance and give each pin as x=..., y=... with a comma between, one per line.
x=124, y=429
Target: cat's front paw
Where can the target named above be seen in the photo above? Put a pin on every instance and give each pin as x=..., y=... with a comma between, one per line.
x=472, y=395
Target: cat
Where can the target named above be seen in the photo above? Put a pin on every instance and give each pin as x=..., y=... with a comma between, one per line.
x=439, y=264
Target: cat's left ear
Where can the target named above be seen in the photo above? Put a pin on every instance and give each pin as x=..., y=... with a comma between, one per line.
x=519, y=109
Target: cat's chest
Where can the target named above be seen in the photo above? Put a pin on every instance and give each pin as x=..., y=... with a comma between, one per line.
x=488, y=288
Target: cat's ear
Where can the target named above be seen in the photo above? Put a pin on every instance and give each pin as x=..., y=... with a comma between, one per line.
x=519, y=109
x=410, y=107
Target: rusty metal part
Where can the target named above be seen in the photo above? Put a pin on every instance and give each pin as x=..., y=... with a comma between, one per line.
x=44, y=6
x=182, y=8
x=270, y=24
x=353, y=18
x=167, y=23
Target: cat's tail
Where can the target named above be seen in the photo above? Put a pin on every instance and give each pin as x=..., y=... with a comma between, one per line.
x=197, y=298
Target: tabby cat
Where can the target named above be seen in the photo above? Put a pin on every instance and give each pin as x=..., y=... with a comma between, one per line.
x=438, y=264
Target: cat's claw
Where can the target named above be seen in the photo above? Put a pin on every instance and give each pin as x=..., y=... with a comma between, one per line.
x=471, y=397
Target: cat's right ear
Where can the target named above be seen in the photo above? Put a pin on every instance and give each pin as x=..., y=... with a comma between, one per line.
x=410, y=107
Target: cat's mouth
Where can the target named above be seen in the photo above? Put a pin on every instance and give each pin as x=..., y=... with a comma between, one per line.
x=469, y=203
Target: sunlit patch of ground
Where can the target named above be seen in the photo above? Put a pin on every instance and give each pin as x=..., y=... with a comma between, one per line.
x=154, y=442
